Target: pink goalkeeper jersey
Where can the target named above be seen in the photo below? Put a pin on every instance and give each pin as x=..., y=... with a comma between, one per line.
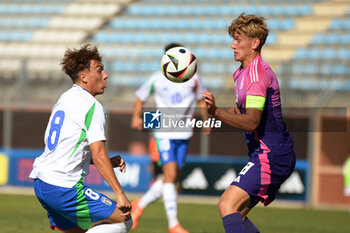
x=258, y=79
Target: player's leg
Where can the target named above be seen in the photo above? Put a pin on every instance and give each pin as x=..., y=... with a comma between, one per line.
x=173, y=161
x=112, y=227
x=73, y=210
x=248, y=225
x=232, y=202
x=155, y=191
x=243, y=194
x=97, y=209
x=60, y=204
x=170, y=193
x=153, y=194
x=116, y=222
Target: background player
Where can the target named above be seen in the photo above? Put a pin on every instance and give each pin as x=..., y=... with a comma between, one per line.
x=172, y=146
x=75, y=137
x=259, y=114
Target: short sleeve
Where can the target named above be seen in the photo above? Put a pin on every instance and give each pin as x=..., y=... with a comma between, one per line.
x=257, y=81
x=199, y=87
x=144, y=92
x=96, y=130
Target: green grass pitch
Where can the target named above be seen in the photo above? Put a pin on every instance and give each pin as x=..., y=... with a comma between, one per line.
x=23, y=213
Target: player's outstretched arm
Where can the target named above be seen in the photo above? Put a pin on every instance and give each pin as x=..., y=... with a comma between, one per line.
x=247, y=122
x=136, y=121
x=104, y=166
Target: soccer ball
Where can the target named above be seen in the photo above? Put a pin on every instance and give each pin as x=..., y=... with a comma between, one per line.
x=179, y=64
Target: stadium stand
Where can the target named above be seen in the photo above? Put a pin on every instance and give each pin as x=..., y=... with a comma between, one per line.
x=34, y=35
x=308, y=45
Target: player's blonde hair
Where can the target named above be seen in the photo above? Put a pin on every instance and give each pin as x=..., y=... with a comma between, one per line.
x=77, y=60
x=250, y=25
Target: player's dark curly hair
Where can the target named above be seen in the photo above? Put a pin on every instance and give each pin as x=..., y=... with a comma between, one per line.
x=251, y=25
x=77, y=60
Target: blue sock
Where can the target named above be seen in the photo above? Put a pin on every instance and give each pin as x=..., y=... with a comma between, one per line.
x=233, y=223
x=249, y=226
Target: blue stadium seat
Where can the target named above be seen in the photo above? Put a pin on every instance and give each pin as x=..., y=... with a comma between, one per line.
x=198, y=23
x=302, y=53
x=340, y=69
x=128, y=81
x=131, y=66
x=281, y=24
x=322, y=53
x=15, y=35
x=44, y=8
x=188, y=38
x=220, y=9
x=271, y=39
x=303, y=84
x=24, y=22
x=345, y=38
x=167, y=23
x=315, y=53
x=343, y=54
x=337, y=24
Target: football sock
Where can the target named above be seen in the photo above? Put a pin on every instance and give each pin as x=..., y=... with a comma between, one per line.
x=170, y=203
x=153, y=194
x=249, y=226
x=122, y=227
x=233, y=223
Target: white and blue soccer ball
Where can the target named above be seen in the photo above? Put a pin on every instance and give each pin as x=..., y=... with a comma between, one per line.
x=179, y=64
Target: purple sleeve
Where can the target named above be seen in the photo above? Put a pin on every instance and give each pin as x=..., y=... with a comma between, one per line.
x=257, y=81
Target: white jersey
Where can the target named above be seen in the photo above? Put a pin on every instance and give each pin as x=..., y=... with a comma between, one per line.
x=76, y=121
x=179, y=96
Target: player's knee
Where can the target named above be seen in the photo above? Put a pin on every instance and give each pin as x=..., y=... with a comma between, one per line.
x=222, y=207
x=170, y=177
x=226, y=207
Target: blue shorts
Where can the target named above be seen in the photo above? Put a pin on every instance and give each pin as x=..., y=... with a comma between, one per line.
x=71, y=207
x=171, y=150
x=263, y=175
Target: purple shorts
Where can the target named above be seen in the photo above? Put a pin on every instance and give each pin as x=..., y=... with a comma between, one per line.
x=263, y=175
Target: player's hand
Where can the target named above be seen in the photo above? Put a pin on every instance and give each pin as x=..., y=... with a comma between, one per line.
x=210, y=101
x=123, y=204
x=117, y=161
x=136, y=123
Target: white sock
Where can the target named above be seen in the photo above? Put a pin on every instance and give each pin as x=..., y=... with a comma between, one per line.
x=153, y=194
x=170, y=203
x=122, y=227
